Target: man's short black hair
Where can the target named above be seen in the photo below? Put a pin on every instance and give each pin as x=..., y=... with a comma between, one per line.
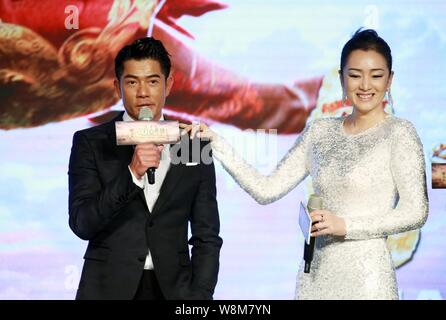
x=144, y=48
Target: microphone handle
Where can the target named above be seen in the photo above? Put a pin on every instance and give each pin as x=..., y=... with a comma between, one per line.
x=314, y=203
x=308, y=254
x=151, y=175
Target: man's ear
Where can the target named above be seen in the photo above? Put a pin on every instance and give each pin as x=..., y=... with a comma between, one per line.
x=169, y=83
x=117, y=87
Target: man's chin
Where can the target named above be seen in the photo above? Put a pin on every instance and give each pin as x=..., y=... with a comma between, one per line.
x=133, y=116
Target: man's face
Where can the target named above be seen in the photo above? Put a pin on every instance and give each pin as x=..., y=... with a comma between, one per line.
x=143, y=84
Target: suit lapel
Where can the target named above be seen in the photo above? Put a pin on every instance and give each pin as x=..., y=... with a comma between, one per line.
x=123, y=153
x=173, y=176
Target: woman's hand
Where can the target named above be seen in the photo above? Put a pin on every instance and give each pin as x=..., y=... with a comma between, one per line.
x=326, y=222
x=199, y=130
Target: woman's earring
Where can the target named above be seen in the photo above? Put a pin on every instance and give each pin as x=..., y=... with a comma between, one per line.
x=344, y=99
x=389, y=98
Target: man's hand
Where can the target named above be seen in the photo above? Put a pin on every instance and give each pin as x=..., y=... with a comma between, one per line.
x=145, y=156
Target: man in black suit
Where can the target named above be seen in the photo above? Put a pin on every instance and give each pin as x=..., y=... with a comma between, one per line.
x=138, y=232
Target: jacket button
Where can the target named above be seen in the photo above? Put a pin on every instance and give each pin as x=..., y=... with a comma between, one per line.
x=151, y=224
x=141, y=258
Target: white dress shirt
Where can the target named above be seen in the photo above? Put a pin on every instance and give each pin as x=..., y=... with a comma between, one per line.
x=151, y=191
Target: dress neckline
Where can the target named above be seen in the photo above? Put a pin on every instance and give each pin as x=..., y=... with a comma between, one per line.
x=366, y=131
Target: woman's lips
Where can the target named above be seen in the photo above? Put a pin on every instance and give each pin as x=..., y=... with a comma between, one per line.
x=365, y=96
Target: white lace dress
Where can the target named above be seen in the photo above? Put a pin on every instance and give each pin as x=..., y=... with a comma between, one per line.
x=375, y=180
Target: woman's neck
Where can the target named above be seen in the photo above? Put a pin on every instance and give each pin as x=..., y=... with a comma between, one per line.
x=358, y=122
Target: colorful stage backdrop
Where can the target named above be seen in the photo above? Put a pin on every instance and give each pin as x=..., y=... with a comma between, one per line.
x=239, y=66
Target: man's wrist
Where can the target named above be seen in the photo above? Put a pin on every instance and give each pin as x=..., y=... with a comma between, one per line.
x=136, y=180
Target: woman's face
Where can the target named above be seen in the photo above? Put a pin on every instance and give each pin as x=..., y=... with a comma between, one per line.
x=365, y=79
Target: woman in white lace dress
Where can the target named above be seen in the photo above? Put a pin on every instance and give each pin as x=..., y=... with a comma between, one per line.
x=369, y=169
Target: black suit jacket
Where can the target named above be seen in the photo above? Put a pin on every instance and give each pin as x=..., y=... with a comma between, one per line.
x=109, y=210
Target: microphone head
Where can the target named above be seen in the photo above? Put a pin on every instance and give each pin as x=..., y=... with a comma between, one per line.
x=145, y=114
x=315, y=202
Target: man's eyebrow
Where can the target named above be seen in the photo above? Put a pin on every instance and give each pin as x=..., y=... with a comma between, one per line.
x=132, y=76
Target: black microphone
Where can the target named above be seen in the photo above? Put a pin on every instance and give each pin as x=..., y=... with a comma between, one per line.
x=145, y=114
x=314, y=203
